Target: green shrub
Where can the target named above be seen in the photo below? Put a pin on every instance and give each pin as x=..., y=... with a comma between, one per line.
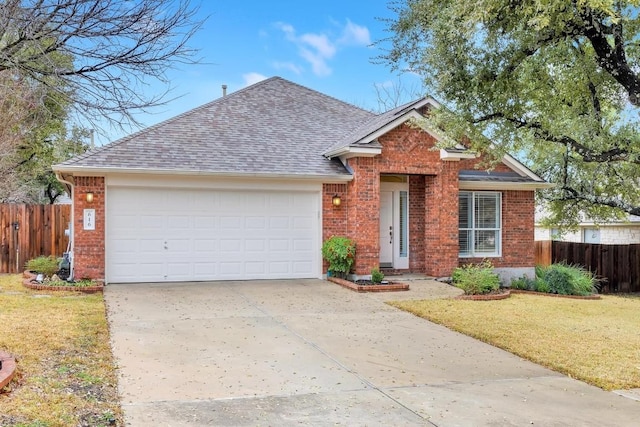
x=340, y=253
x=542, y=286
x=476, y=279
x=524, y=283
x=376, y=276
x=47, y=265
x=566, y=279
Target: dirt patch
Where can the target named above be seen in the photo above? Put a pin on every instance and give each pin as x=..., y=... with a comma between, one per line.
x=547, y=294
x=493, y=296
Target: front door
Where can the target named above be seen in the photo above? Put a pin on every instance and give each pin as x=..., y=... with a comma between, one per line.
x=386, y=228
x=394, y=222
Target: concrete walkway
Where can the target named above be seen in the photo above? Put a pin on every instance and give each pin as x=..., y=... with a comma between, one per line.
x=308, y=352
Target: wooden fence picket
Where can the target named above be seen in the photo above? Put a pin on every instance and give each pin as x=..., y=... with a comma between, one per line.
x=41, y=231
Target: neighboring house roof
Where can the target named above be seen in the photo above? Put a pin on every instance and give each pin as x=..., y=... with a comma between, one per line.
x=632, y=220
x=274, y=127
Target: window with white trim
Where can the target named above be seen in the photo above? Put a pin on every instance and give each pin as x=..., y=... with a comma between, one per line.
x=479, y=223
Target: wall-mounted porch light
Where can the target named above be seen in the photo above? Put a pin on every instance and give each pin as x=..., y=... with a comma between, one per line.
x=89, y=197
x=336, y=200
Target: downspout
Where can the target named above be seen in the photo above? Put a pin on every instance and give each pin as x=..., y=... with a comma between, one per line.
x=69, y=185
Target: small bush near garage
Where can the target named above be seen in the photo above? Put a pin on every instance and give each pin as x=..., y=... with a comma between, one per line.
x=340, y=253
x=476, y=279
x=563, y=279
x=47, y=265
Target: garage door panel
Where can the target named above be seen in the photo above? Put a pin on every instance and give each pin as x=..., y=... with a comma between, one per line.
x=230, y=223
x=147, y=222
x=300, y=267
x=302, y=245
x=254, y=245
x=204, y=247
x=176, y=235
x=230, y=246
x=151, y=246
x=204, y=222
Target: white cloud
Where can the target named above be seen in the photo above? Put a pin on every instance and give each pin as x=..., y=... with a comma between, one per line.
x=318, y=48
x=287, y=66
x=253, y=78
x=287, y=29
x=320, y=42
x=355, y=35
x=318, y=63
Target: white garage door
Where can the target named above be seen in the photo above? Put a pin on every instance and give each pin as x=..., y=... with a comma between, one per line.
x=190, y=235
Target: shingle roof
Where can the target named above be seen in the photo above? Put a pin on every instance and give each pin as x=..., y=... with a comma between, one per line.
x=488, y=176
x=272, y=127
x=359, y=134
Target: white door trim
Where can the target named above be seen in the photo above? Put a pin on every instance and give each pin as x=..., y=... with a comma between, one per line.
x=399, y=262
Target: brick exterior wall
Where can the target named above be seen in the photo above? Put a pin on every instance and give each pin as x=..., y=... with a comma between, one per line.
x=334, y=218
x=517, y=231
x=433, y=207
x=88, y=245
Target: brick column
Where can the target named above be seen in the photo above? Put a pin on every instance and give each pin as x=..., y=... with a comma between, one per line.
x=417, y=211
x=363, y=198
x=334, y=218
x=441, y=221
x=88, y=245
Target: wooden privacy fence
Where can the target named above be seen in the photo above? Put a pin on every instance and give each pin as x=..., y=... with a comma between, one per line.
x=28, y=231
x=619, y=264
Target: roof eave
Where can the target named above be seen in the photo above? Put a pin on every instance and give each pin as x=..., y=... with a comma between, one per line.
x=102, y=171
x=456, y=155
x=502, y=185
x=351, y=151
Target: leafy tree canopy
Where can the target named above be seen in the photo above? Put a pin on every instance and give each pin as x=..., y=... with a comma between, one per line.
x=556, y=82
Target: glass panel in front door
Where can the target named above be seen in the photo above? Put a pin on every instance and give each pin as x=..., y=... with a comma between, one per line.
x=386, y=229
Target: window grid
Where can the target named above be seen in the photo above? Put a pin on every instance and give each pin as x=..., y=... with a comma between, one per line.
x=479, y=219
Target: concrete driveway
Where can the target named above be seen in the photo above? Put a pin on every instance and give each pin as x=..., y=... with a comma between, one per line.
x=308, y=352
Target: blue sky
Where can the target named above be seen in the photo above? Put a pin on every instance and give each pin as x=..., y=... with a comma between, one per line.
x=324, y=45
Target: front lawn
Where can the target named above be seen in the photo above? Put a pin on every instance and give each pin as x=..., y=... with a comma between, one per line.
x=596, y=341
x=65, y=370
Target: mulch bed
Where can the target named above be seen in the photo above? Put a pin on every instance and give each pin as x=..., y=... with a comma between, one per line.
x=390, y=287
x=7, y=368
x=493, y=296
x=547, y=294
x=31, y=283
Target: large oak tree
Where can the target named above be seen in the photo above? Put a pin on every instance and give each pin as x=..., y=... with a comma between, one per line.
x=556, y=82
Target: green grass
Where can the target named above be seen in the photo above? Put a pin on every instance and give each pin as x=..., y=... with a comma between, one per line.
x=596, y=341
x=65, y=370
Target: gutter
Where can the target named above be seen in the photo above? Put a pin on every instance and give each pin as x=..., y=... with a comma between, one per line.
x=84, y=171
x=502, y=185
x=69, y=185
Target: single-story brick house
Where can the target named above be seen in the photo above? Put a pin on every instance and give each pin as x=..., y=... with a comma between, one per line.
x=624, y=231
x=247, y=187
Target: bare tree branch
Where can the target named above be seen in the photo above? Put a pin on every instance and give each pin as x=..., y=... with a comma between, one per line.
x=118, y=47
